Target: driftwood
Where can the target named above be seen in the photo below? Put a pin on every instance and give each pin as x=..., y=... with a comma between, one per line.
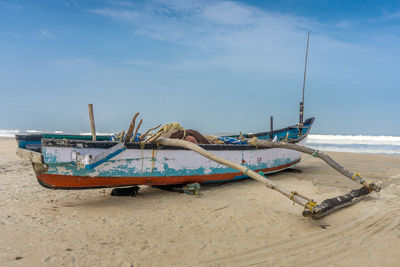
x=351, y=175
x=137, y=129
x=131, y=128
x=147, y=132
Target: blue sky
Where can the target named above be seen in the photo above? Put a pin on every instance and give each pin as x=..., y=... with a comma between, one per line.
x=215, y=66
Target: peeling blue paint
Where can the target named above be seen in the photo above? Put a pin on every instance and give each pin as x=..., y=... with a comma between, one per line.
x=49, y=157
x=123, y=169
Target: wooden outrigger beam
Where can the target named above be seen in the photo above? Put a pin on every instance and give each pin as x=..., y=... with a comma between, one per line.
x=355, y=176
x=311, y=208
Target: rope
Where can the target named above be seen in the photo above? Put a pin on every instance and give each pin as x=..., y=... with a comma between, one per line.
x=253, y=141
x=356, y=174
x=367, y=185
x=310, y=205
x=315, y=154
x=292, y=196
x=245, y=172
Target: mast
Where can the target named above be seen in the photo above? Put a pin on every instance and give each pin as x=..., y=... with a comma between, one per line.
x=304, y=85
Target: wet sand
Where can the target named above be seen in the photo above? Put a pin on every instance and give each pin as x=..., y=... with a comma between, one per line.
x=233, y=224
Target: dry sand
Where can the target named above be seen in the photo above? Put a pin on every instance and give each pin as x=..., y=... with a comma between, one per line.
x=234, y=224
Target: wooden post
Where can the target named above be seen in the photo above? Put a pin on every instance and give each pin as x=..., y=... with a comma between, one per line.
x=272, y=126
x=92, y=125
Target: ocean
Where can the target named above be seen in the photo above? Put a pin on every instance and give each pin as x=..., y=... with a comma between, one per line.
x=338, y=143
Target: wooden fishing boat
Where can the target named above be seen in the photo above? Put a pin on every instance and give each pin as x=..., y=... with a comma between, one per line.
x=77, y=162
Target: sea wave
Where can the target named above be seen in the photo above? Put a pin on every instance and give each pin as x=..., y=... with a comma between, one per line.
x=12, y=133
x=354, y=139
x=356, y=143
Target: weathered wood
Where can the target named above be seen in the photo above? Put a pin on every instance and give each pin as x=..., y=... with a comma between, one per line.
x=330, y=205
x=311, y=209
x=92, y=125
x=268, y=183
x=154, y=137
x=32, y=156
x=354, y=176
x=271, y=124
x=147, y=132
x=131, y=128
x=137, y=129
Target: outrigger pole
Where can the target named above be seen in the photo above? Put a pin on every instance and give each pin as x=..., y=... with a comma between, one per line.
x=304, y=86
x=311, y=208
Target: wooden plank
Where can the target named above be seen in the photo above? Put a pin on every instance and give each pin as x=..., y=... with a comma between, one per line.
x=32, y=156
x=92, y=125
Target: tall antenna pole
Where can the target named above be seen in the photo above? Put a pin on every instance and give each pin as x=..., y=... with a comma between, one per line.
x=304, y=86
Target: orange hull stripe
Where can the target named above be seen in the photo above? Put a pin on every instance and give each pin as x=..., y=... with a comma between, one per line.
x=71, y=182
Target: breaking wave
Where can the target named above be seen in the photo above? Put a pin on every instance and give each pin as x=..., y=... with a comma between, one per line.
x=356, y=143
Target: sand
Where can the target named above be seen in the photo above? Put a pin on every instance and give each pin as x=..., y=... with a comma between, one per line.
x=233, y=224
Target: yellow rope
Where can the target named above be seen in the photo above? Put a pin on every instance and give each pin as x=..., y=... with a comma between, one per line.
x=310, y=205
x=253, y=141
x=170, y=127
x=356, y=174
x=292, y=196
x=367, y=185
x=287, y=136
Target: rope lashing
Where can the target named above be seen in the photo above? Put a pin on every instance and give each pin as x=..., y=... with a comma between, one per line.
x=245, y=172
x=368, y=185
x=310, y=205
x=315, y=154
x=356, y=174
x=292, y=196
x=261, y=173
x=253, y=141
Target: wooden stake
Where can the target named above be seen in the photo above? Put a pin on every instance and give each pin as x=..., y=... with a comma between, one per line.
x=92, y=125
x=147, y=132
x=271, y=122
x=137, y=129
x=131, y=128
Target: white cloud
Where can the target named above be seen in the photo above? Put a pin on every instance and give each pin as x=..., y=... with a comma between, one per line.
x=44, y=34
x=394, y=15
x=232, y=36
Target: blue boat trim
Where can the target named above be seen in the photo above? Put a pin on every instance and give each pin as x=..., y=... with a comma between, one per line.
x=93, y=165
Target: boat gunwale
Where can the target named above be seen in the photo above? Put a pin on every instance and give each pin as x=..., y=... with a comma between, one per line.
x=53, y=142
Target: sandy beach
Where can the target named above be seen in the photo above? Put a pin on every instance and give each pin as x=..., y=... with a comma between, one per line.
x=233, y=224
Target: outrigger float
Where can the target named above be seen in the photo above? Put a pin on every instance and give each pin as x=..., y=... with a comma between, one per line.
x=176, y=156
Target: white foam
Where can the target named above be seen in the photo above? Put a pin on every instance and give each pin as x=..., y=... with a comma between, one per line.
x=394, y=150
x=354, y=140
x=12, y=133
x=97, y=133
x=8, y=133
